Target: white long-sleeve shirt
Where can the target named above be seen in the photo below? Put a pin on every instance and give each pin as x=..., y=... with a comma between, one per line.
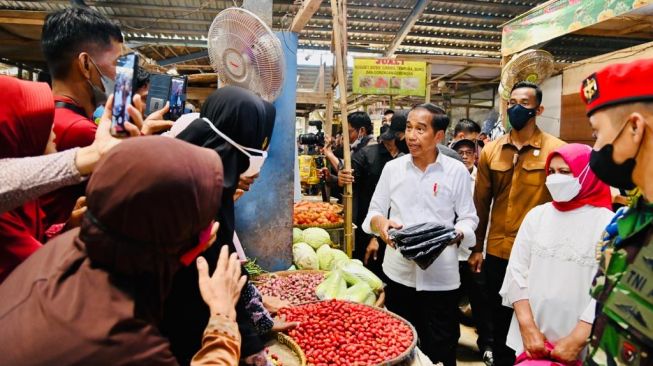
x=552, y=264
x=412, y=196
x=463, y=251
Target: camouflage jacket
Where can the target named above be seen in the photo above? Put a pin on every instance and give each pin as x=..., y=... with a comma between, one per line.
x=623, y=288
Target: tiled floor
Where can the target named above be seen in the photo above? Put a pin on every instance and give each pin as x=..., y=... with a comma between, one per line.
x=468, y=354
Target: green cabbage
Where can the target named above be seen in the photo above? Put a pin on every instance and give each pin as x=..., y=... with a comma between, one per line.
x=304, y=256
x=328, y=257
x=316, y=237
x=355, y=273
x=297, y=235
x=334, y=287
x=339, y=255
x=325, y=256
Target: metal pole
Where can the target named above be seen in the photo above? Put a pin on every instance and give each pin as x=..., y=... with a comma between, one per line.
x=338, y=36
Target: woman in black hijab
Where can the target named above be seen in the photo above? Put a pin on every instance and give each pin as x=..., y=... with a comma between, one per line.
x=248, y=121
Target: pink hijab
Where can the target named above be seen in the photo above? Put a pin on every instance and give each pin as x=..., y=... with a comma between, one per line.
x=593, y=191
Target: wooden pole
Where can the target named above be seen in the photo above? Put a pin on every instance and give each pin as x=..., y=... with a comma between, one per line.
x=427, y=97
x=328, y=123
x=339, y=36
x=503, y=105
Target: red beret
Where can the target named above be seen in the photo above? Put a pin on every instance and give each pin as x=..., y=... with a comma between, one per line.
x=618, y=84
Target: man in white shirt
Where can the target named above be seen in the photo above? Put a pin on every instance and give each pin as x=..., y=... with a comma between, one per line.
x=425, y=186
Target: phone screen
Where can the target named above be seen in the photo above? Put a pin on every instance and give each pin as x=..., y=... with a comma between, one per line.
x=177, y=97
x=122, y=94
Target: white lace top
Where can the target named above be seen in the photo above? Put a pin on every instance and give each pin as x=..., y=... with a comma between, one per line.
x=552, y=264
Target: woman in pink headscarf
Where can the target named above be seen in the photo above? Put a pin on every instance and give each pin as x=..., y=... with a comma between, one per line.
x=553, y=261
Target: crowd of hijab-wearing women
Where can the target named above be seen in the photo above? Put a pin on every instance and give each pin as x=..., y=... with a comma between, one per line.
x=122, y=288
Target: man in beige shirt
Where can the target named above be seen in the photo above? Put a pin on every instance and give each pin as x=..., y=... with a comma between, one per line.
x=510, y=181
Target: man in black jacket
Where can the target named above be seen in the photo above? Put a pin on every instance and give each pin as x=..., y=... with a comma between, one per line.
x=367, y=165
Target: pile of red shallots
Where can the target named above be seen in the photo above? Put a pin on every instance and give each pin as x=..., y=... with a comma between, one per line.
x=297, y=288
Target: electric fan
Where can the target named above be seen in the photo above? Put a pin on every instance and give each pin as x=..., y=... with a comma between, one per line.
x=244, y=52
x=531, y=65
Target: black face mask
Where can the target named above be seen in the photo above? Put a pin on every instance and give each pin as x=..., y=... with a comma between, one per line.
x=520, y=115
x=402, y=145
x=613, y=174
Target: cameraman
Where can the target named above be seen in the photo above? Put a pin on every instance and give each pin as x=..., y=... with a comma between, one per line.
x=367, y=165
x=360, y=135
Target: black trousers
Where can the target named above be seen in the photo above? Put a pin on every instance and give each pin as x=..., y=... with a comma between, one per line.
x=434, y=314
x=495, y=270
x=474, y=286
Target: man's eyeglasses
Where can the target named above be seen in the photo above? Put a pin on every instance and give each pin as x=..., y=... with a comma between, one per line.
x=464, y=153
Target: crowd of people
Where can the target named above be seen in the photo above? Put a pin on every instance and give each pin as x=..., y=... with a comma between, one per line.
x=117, y=251
x=529, y=209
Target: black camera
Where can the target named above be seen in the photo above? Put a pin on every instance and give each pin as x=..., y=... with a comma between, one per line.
x=313, y=139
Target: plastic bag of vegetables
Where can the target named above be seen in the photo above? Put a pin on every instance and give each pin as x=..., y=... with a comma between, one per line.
x=304, y=256
x=361, y=293
x=355, y=273
x=334, y=287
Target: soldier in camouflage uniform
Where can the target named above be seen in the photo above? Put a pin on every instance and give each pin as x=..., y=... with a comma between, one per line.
x=619, y=102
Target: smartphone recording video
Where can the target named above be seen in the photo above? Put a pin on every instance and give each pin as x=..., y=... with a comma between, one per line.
x=122, y=93
x=177, y=97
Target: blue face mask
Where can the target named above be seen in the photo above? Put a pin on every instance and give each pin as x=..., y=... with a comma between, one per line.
x=520, y=115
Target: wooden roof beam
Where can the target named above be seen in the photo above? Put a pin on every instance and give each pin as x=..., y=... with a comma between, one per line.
x=305, y=13
x=418, y=9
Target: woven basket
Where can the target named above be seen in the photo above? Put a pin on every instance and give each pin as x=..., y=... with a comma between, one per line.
x=289, y=273
x=290, y=343
x=409, y=354
x=380, y=299
x=325, y=226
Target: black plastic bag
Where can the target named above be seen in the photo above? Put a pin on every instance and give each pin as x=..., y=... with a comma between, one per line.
x=420, y=236
x=424, y=254
x=422, y=243
x=414, y=230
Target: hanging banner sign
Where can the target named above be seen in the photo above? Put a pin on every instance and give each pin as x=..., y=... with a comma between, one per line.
x=556, y=18
x=386, y=76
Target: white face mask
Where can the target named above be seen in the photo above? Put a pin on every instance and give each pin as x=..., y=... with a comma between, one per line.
x=564, y=188
x=255, y=162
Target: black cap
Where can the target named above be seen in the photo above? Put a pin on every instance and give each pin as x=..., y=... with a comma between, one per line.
x=397, y=125
x=463, y=142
